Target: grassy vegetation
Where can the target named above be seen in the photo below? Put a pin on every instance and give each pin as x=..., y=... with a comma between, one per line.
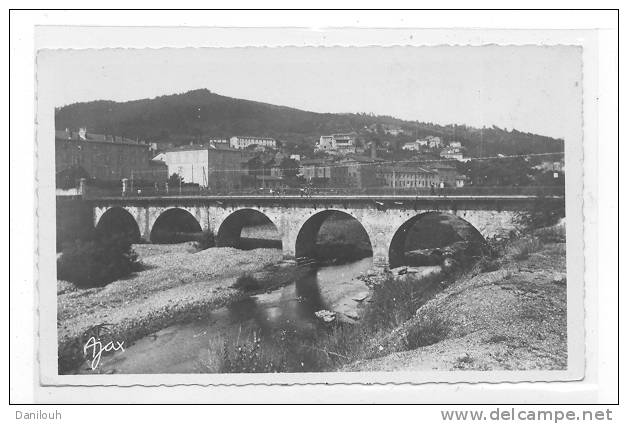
x=521, y=249
x=247, y=283
x=428, y=329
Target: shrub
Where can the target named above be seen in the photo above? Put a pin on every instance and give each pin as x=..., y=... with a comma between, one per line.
x=428, y=329
x=486, y=264
x=554, y=234
x=250, y=357
x=543, y=213
x=246, y=282
x=97, y=261
x=206, y=240
x=394, y=301
x=521, y=249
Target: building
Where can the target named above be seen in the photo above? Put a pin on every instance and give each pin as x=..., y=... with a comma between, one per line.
x=312, y=169
x=216, y=141
x=454, y=154
x=446, y=174
x=345, y=143
x=238, y=142
x=271, y=182
x=411, y=146
x=336, y=143
x=434, y=142
x=218, y=169
x=190, y=162
x=325, y=143
x=455, y=145
x=361, y=171
x=105, y=157
x=407, y=177
x=394, y=131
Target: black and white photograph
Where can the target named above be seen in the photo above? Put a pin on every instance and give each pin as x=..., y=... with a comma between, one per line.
x=309, y=210
x=317, y=214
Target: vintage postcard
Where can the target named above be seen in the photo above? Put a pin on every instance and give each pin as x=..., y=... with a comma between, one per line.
x=301, y=215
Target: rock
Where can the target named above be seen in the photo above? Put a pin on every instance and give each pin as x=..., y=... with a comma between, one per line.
x=360, y=296
x=423, y=257
x=352, y=315
x=448, y=264
x=399, y=271
x=559, y=278
x=325, y=316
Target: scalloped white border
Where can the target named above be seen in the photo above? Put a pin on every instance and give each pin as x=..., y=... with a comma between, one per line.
x=359, y=37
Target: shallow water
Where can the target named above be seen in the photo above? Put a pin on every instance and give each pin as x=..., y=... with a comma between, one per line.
x=198, y=346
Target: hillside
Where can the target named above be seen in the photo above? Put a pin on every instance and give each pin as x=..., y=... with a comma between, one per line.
x=199, y=114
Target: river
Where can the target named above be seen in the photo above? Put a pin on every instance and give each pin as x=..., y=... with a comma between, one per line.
x=199, y=346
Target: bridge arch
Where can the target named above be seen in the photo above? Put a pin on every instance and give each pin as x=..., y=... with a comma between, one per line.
x=430, y=230
x=175, y=225
x=343, y=231
x=230, y=232
x=117, y=221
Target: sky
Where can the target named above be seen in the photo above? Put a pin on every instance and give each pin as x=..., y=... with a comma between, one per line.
x=530, y=88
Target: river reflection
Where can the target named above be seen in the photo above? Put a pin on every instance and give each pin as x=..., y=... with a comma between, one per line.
x=198, y=346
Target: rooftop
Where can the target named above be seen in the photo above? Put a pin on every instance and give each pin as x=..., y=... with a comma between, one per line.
x=70, y=135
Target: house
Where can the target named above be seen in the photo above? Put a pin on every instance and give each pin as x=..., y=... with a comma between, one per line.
x=312, y=169
x=345, y=143
x=454, y=154
x=207, y=166
x=455, y=145
x=361, y=171
x=393, y=130
x=238, y=142
x=325, y=143
x=445, y=173
x=216, y=142
x=411, y=146
x=434, y=142
x=336, y=143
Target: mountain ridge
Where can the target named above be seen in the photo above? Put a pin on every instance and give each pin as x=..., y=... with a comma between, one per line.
x=201, y=113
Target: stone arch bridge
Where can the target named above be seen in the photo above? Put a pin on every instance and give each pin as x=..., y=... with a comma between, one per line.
x=298, y=218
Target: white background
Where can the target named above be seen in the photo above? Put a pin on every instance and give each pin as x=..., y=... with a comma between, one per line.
x=601, y=302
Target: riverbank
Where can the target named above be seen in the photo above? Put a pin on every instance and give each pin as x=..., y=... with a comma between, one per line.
x=177, y=284
x=510, y=314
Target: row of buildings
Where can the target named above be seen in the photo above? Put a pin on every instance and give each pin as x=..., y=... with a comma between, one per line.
x=229, y=164
x=243, y=143
x=363, y=172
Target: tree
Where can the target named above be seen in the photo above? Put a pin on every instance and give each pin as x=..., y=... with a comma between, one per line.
x=175, y=180
x=97, y=260
x=289, y=167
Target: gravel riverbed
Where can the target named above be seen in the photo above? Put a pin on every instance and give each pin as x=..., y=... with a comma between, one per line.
x=178, y=284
